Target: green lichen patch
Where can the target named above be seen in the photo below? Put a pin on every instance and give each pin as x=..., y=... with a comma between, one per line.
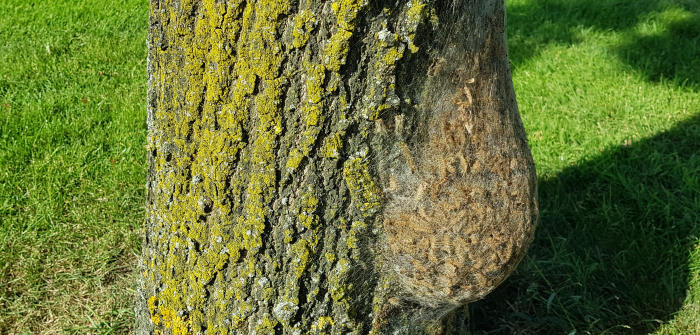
x=365, y=194
x=304, y=22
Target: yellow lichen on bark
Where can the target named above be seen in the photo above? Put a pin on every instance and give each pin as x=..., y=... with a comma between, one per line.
x=364, y=192
x=264, y=196
x=208, y=135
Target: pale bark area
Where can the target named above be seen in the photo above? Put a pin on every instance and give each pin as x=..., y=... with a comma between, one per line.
x=329, y=167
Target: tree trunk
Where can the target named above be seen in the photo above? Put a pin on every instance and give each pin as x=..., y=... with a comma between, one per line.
x=343, y=166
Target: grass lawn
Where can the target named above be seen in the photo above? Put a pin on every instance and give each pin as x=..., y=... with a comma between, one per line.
x=72, y=163
x=609, y=91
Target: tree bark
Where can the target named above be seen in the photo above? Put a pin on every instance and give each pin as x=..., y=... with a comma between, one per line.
x=344, y=166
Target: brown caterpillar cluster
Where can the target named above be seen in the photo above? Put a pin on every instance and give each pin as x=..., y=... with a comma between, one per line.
x=461, y=208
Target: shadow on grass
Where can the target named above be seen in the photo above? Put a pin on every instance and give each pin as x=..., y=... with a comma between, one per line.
x=669, y=49
x=672, y=54
x=612, y=248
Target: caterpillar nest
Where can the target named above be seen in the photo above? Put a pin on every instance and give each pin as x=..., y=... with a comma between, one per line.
x=461, y=207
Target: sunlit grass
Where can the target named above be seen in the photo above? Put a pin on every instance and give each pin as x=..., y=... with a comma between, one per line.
x=609, y=94
x=72, y=130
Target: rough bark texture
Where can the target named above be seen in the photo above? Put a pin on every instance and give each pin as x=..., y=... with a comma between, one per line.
x=346, y=166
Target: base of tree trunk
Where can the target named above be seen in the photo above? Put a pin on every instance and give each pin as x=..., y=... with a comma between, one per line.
x=329, y=167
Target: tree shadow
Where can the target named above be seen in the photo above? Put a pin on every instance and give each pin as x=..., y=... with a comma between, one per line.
x=671, y=54
x=611, y=254
x=668, y=52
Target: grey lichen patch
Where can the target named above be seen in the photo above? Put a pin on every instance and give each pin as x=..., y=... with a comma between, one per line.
x=284, y=311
